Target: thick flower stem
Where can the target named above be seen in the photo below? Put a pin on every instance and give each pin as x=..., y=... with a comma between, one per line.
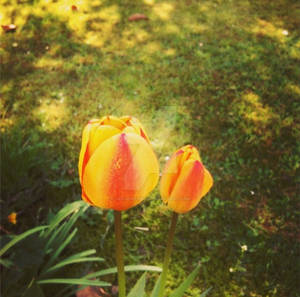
x=168, y=252
x=119, y=254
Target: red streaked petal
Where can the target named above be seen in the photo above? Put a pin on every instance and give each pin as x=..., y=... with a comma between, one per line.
x=187, y=191
x=170, y=175
x=84, y=144
x=121, y=172
x=136, y=124
x=123, y=176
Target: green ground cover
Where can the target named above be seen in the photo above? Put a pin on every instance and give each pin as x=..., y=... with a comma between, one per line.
x=223, y=75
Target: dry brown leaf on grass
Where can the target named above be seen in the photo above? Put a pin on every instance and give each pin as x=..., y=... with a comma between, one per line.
x=91, y=291
x=137, y=17
x=9, y=28
x=114, y=290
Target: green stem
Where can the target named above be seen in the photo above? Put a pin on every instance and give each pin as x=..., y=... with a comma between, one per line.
x=119, y=254
x=168, y=254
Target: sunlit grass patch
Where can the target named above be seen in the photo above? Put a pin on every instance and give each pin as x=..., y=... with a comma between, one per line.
x=51, y=113
x=163, y=10
x=265, y=28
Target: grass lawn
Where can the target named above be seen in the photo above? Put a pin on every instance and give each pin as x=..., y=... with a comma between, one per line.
x=223, y=75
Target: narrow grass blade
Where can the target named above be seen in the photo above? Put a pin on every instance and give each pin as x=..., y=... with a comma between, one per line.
x=156, y=288
x=72, y=261
x=17, y=238
x=127, y=269
x=83, y=254
x=67, y=226
x=53, y=236
x=63, y=213
x=74, y=281
x=139, y=288
x=59, y=250
x=179, y=292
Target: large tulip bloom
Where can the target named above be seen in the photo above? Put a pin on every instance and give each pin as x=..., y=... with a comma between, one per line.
x=117, y=166
x=185, y=180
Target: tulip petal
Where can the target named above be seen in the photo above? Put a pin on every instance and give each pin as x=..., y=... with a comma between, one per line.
x=170, y=175
x=190, y=153
x=121, y=172
x=84, y=143
x=86, y=198
x=100, y=134
x=188, y=188
x=113, y=121
x=137, y=125
x=129, y=129
x=207, y=183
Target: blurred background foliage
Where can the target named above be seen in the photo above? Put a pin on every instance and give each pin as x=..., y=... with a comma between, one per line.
x=221, y=74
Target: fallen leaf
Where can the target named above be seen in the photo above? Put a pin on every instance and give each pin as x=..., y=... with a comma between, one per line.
x=74, y=8
x=115, y=290
x=91, y=291
x=141, y=228
x=9, y=28
x=137, y=17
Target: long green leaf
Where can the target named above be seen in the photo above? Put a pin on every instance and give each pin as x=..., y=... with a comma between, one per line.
x=59, y=250
x=53, y=236
x=67, y=226
x=20, y=237
x=74, y=281
x=127, y=269
x=156, y=287
x=72, y=261
x=63, y=213
x=179, y=292
x=82, y=254
x=139, y=288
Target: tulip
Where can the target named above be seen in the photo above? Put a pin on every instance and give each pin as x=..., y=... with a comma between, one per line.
x=117, y=170
x=117, y=166
x=185, y=180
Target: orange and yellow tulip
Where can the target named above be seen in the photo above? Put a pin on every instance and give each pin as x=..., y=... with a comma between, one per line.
x=185, y=180
x=117, y=166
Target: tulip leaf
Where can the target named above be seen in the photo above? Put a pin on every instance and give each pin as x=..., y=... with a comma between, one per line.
x=179, y=292
x=156, y=287
x=53, y=236
x=59, y=250
x=63, y=213
x=72, y=261
x=17, y=238
x=83, y=254
x=61, y=237
x=127, y=268
x=74, y=281
x=139, y=288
